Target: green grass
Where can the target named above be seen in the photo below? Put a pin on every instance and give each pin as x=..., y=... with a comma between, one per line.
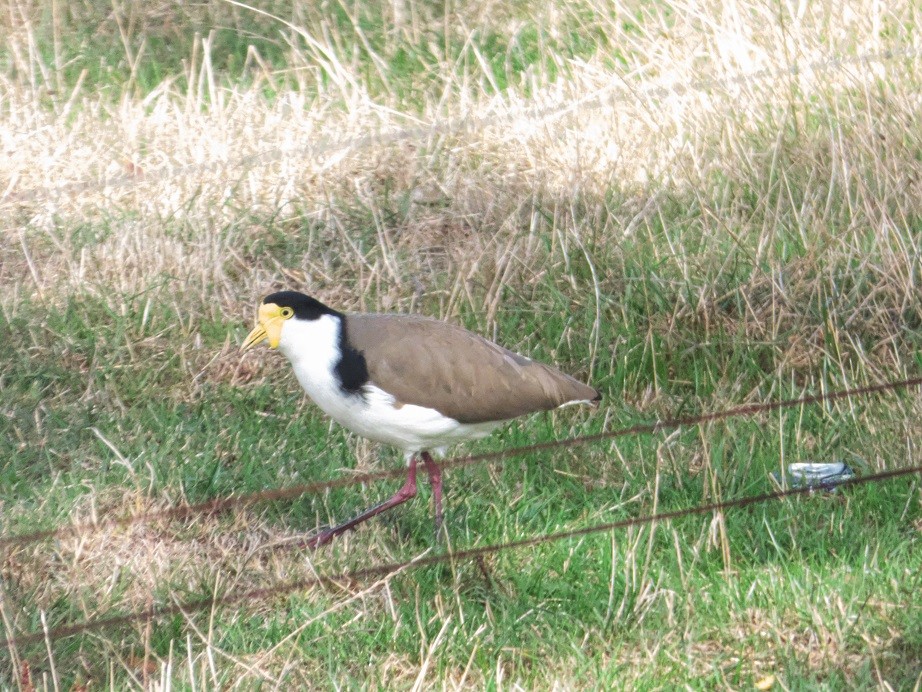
x=591, y=611
x=105, y=51
x=684, y=252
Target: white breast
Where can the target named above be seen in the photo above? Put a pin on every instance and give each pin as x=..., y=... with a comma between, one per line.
x=312, y=346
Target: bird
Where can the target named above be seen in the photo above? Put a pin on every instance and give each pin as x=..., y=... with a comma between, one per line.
x=413, y=382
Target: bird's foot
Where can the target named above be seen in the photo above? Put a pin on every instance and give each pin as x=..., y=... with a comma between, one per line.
x=408, y=491
x=321, y=538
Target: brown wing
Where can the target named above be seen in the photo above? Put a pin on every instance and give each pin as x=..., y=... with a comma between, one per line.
x=458, y=373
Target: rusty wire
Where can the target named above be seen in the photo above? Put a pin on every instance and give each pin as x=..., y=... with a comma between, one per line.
x=224, y=504
x=387, y=569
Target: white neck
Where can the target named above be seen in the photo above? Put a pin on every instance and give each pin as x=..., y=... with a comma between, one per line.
x=312, y=346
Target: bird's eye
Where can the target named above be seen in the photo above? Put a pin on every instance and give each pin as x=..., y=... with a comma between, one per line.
x=286, y=312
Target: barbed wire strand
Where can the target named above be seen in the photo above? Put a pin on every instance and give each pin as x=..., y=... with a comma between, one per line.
x=617, y=92
x=224, y=504
x=384, y=570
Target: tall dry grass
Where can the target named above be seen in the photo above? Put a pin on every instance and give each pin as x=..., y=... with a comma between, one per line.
x=710, y=107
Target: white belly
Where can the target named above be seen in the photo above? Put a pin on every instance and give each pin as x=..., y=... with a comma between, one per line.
x=373, y=414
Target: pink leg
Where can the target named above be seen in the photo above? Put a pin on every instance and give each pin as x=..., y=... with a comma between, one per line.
x=405, y=493
x=435, y=478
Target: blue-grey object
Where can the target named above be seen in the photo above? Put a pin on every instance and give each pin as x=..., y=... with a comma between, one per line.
x=814, y=475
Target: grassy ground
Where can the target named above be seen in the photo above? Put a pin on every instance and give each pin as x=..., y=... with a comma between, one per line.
x=596, y=186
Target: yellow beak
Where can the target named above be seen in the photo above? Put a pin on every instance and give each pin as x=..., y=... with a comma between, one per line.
x=269, y=322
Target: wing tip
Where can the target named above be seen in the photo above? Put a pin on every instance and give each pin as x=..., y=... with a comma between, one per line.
x=593, y=402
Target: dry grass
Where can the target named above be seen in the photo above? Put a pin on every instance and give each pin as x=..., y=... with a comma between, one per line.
x=653, y=142
x=681, y=177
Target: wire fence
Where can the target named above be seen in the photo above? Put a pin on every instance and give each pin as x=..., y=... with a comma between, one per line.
x=384, y=570
x=189, y=607
x=619, y=91
x=224, y=504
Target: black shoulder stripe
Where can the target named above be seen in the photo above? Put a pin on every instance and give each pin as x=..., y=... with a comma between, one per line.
x=351, y=370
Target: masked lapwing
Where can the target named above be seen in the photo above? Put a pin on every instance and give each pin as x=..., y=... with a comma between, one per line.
x=413, y=382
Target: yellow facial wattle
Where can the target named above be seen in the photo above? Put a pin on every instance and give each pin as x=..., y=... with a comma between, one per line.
x=269, y=321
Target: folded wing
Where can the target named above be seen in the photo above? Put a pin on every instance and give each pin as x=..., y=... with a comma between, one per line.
x=438, y=365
